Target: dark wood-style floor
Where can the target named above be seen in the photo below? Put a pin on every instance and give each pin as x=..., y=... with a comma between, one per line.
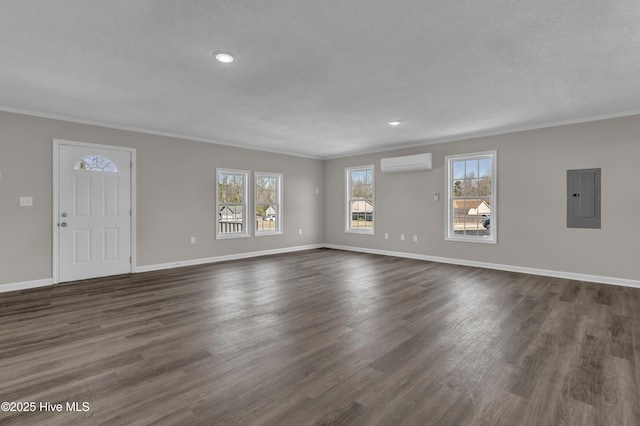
x=324, y=337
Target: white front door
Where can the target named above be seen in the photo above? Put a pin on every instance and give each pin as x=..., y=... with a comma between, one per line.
x=94, y=212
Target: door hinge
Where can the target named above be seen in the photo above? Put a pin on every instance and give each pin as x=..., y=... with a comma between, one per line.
x=130, y=259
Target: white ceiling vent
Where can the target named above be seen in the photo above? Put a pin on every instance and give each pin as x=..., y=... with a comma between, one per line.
x=407, y=163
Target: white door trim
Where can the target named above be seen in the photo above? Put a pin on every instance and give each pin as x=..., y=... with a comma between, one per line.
x=56, y=176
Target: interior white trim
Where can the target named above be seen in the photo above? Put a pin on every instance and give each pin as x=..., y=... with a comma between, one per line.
x=246, y=205
x=25, y=285
x=279, y=224
x=413, y=144
x=448, y=233
x=56, y=147
x=147, y=268
x=61, y=117
x=482, y=134
x=347, y=201
x=510, y=268
x=216, y=259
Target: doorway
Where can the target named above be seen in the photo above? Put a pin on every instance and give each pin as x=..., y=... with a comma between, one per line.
x=93, y=208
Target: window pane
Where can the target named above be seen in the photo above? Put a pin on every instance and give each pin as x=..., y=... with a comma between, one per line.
x=95, y=163
x=485, y=186
x=361, y=214
x=458, y=170
x=231, y=203
x=267, y=217
x=472, y=197
x=360, y=190
x=470, y=187
x=458, y=188
x=230, y=188
x=485, y=167
x=471, y=169
x=266, y=189
x=267, y=209
x=457, y=225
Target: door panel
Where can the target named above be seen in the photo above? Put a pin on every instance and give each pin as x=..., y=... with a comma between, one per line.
x=111, y=244
x=82, y=195
x=110, y=196
x=94, y=212
x=82, y=249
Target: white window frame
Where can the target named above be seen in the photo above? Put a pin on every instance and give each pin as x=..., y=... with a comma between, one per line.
x=245, y=205
x=279, y=178
x=449, y=231
x=347, y=203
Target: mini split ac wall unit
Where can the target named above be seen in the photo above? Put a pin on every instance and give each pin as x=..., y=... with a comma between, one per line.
x=407, y=163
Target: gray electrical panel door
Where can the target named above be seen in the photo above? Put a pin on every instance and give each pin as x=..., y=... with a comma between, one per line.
x=583, y=198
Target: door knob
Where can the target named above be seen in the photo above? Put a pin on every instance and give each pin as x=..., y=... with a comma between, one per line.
x=63, y=224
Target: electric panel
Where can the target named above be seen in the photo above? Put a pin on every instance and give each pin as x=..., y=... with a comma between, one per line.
x=583, y=198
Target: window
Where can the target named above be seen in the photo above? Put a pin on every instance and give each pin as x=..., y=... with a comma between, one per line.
x=232, y=203
x=268, y=192
x=360, y=199
x=471, y=203
x=95, y=163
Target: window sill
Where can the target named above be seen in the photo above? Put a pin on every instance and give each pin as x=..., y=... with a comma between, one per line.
x=231, y=236
x=267, y=233
x=476, y=240
x=353, y=231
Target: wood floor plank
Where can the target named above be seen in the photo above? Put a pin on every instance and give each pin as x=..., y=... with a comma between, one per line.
x=324, y=337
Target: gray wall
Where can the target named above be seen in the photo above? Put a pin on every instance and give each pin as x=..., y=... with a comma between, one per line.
x=531, y=201
x=175, y=195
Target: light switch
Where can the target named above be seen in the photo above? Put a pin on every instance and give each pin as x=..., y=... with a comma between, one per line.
x=26, y=201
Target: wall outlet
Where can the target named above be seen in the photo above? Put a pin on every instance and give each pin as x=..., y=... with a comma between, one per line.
x=386, y=235
x=401, y=237
x=415, y=238
x=300, y=231
x=193, y=240
x=26, y=201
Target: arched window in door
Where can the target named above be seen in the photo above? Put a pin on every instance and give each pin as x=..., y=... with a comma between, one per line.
x=95, y=163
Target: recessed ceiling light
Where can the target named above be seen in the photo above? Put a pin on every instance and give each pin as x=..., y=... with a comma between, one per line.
x=224, y=57
x=395, y=123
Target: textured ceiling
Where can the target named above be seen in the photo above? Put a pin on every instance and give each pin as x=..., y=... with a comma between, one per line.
x=321, y=78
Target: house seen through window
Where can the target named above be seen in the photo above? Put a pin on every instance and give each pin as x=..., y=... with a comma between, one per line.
x=268, y=193
x=232, y=203
x=471, y=208
x=360, y=199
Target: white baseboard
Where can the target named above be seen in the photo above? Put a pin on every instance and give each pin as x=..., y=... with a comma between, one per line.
x=510, y=268
x=521, y=269
x=25, y=285
x=216, y=259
